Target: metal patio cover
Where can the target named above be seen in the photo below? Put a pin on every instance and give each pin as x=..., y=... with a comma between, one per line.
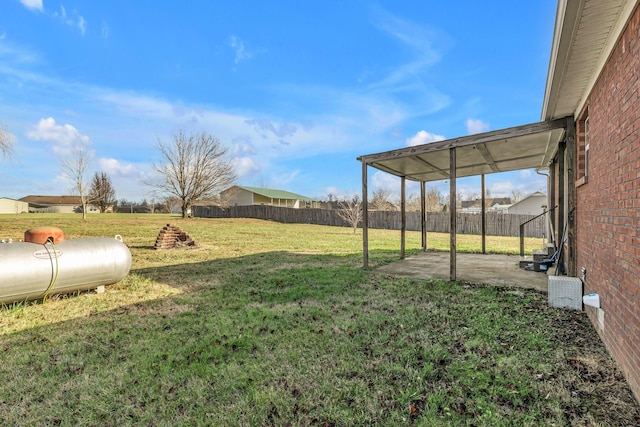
x=516, y=148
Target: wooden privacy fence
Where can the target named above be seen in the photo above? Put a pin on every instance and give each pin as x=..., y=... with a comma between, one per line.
x=497, y=224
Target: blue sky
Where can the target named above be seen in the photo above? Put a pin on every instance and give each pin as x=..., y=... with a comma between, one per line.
x=296, y=89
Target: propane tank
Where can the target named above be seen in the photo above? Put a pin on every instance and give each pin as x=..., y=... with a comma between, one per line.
x=47, y=264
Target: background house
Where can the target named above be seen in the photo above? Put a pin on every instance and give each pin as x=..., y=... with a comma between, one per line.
x=246, y=196
x=12, y=206
x=57, y=204
x=496, y=204
x=533, y=204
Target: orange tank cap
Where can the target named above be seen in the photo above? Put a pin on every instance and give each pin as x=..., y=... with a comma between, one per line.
x=42, y=235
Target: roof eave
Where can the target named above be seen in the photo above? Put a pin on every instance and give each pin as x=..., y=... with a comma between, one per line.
x=565, y=25
x=573, y=18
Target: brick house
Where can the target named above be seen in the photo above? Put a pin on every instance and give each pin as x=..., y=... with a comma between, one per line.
x=588, y=140
x=594, y=77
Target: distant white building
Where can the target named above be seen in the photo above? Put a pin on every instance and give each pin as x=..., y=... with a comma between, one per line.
x=534, y=204
x=499, y=208
x=495, y=204
x=12, y=206
x=239, y=195
x=57, y=204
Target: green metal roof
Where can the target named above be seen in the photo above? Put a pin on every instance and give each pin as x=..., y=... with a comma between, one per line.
x=275, y=194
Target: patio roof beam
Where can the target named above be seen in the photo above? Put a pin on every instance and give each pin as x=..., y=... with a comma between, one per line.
x=444, y=173
x=484, y=152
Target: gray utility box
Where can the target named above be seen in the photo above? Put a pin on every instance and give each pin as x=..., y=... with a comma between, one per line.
x=565, y=292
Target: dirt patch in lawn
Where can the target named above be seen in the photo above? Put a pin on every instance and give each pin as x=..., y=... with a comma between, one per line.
x=594, y=379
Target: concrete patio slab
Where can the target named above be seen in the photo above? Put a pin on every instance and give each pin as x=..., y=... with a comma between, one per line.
x=501, y=270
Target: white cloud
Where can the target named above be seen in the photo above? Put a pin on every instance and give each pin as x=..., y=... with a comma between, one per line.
x=118, y=168
x=476, y=126
x=82, y=25
x=423, y=137
x=33, y=4
x=502, y=188
x=422, y=40
x=283, y=180
x=281, y=130
x=385, y=181
x=64, y=138
x=391, y=183
x=243, y=147
x=405, y=79
x=525, y=174
x=73, y=20
x=242, y=53
x=245, y=167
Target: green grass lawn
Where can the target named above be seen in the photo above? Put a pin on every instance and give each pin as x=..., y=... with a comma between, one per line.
x=273, y=324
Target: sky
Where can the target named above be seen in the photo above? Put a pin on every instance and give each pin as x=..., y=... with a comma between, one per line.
x=296, y=90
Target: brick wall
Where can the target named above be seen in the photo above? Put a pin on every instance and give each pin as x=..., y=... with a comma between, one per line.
x=608, y=203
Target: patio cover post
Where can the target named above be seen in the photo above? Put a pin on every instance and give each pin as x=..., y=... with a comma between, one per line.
x=423, y=214
x=365, y=218
x=403, y=216
x=452, y=213
x=561, y=195
x=571, y=197
x=483, y=223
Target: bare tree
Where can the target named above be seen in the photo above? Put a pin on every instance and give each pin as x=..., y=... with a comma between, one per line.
x=75, y=169
x=228, y=197
x=101, y=192
x=168, y=203
x=516, y=195
x=6, y=142
x=194, y=167
x=381, y=200
x=412, y=204
x=434, y=200
x=351, y=212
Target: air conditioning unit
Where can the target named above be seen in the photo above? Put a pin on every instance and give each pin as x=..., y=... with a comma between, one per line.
x=565, y=292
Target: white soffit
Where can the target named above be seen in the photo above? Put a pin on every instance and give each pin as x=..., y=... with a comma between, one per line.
x=585, y=34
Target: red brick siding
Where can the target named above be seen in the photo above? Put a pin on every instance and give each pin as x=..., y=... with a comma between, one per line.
x=608, y=205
